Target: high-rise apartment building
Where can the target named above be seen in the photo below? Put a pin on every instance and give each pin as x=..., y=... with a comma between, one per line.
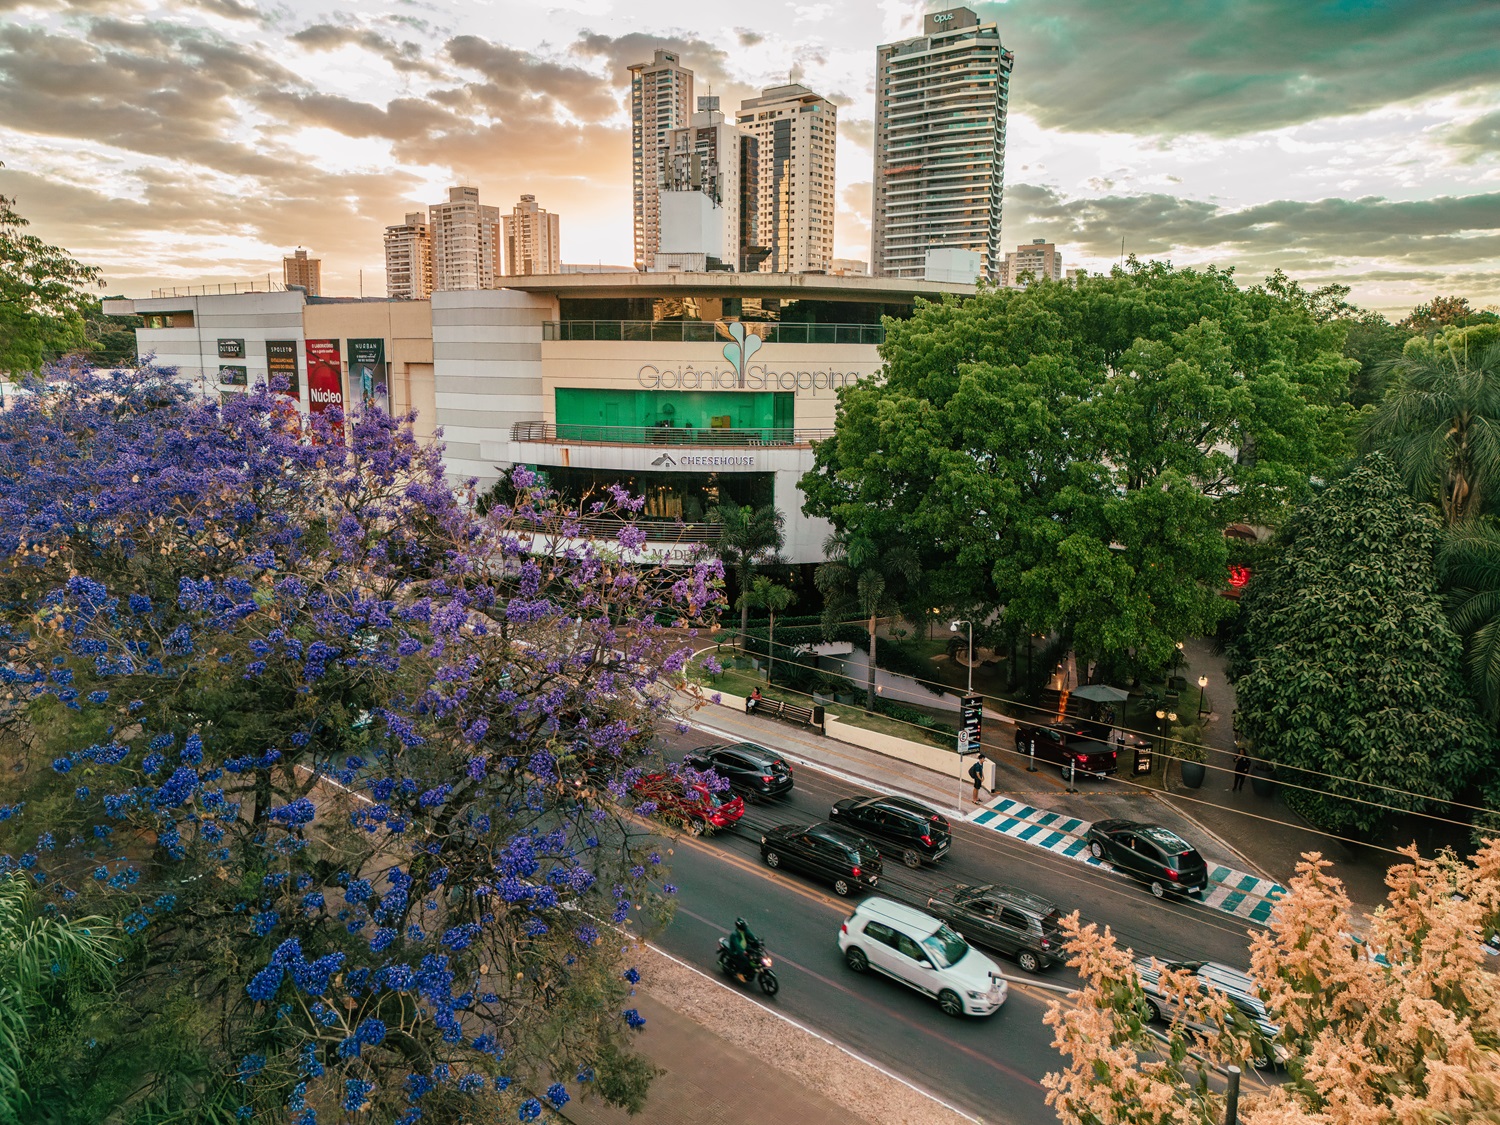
x=708, y=198
x=1041, y=260
x=940, y=104
x=299, y=269
x=661, y=99
x=465, y=242
x=531, y=240
x=797, y=130
x=408, y=259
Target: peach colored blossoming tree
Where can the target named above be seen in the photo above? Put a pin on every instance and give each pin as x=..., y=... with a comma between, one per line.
x=1402, y=1028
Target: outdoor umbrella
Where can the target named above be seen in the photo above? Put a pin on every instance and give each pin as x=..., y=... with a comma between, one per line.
x=1100, y=693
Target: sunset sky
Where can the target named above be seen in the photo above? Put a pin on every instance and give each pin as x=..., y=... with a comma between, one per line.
x=199, y=140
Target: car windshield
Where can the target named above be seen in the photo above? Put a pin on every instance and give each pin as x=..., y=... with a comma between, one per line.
x=945, y=947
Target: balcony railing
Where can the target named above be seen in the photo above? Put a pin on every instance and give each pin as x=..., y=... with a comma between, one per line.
x=576, y=433
x=658, y=531
x=707, y=332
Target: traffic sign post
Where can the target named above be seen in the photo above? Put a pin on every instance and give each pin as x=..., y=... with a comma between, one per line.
x=1072, y=774
x=1031, y=754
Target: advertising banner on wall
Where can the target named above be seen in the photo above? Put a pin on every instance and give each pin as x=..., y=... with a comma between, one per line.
x=233, y=375
x=281, y=363
x=367, y=377
x=325, y=379
x=231, y=349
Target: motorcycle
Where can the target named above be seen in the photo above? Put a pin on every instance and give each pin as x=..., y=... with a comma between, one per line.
x=760, y=962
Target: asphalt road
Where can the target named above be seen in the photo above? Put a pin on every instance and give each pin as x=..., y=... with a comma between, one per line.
x=992, y=1067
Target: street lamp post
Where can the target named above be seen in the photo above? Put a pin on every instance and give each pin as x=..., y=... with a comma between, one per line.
x=1202, y=690
x=1161, y=731
x=968, y=656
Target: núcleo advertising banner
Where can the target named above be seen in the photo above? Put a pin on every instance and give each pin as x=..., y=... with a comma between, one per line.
x=281, y=363
x=325, y=378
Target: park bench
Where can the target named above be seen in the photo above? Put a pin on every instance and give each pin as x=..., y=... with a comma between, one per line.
x=793, y=713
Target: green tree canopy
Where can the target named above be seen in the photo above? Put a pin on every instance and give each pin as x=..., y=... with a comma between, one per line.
x=1347, y=667
x=43, y=296
x=751, y=538
x=1073, y=452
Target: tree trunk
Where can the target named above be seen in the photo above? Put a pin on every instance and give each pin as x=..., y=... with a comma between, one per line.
x=870, y=671
x=771, y=648
x=744, y=604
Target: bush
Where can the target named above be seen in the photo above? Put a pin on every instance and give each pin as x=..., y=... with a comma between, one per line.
x=906, y=659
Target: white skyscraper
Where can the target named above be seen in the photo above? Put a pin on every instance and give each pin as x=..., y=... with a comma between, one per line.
x=408, y=258
x=1041, y=259
x=661, y=99
x=714, y=161
x=531, y=240
x=797, y=130
x=940, y=104
x=465, y=242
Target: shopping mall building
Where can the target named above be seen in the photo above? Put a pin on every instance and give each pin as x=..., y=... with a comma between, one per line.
x=691, y=389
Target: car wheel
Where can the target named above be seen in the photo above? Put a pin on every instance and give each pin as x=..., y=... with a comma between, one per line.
x=1153, y=1013
x=855, y=958
x=750, y=796
x=1096, y=849
x=951, y=1002
x=1158, y=888
x=1261, y=1060
x=911, y=857
x=841, y=888
x=772, y=859
x=1029, y=961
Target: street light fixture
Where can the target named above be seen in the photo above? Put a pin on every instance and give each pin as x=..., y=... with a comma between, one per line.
x=968, y=656
x=1202, y=690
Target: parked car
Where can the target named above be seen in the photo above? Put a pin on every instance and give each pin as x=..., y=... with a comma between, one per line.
x=692, y=804
x=905, y=827
x=1238, y=986
x=751, y=770
x=1157, y=856
x=825, y=851
x=1008, y=920
x=1075, y=746
x=924, y=953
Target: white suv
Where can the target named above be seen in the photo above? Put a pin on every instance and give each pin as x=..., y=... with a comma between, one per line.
x=921, y=952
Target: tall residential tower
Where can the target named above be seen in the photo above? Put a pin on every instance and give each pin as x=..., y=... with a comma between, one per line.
x=299, y=269
x=661, y=99
x=797, y=130
x=531, y=240
x=708, y=197
x=408, y=259
x=940, y=103
x=465, y=242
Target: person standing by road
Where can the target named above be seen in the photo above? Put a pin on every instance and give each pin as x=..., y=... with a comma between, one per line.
x=1241, y=770
x=976, y=774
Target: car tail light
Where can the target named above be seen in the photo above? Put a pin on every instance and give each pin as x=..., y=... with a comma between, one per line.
x=927, y=840
x=1171, y=874
x=767, y=778
x=856, y=871
x=1046, y=943
x=1082, y=757
x=843, y=927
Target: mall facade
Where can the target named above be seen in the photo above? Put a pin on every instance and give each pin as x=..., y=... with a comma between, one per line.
x=690, y=389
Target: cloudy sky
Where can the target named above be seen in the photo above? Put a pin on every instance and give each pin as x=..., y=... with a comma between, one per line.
x=199, y=140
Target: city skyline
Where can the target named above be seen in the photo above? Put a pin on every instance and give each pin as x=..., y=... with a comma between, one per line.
x=199, y=141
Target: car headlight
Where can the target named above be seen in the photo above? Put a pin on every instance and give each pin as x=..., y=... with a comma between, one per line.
x=978, y=995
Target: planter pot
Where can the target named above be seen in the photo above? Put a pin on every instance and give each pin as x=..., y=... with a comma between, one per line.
x=1262, y=785
x=1193, y=774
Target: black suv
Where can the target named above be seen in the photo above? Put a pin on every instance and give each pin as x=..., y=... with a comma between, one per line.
x=750, y=769
x=915, y=832
x=825, y=851
x=1007, y=920
x=1072, y=745
x=1157, y=856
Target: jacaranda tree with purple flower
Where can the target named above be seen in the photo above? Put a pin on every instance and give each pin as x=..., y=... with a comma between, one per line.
x=312, y=733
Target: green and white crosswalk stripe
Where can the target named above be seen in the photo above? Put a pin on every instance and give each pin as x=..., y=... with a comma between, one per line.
x=1233, y=892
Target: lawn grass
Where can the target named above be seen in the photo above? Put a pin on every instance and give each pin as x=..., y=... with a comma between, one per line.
x=741, y=681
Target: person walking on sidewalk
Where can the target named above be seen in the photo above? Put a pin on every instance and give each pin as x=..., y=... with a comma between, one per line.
x=976, y=773
x=1241, y=770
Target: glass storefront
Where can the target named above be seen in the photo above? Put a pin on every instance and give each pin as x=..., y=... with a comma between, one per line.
x=629, y=416
x=669, y=496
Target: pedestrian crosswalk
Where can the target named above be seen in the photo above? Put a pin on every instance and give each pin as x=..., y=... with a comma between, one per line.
x=1233, y=892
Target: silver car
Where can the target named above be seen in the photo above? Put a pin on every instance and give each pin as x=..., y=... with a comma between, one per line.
x=1238, y=986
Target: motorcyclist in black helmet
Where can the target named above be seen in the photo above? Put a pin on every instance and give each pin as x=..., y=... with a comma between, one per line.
x=741, y=942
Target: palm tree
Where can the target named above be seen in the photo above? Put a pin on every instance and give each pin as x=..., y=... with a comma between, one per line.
x=861, y=578
x=1440, y=423
x=35, y=950
x=751, y=538
x=767, y=595
x=1469, y=568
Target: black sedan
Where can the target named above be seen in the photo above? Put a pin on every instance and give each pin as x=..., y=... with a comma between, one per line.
x=1157, y=856
x=750, y=769
x=825, y=851
x=904, y=827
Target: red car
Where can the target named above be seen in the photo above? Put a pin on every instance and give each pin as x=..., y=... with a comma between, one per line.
x=693, y=805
